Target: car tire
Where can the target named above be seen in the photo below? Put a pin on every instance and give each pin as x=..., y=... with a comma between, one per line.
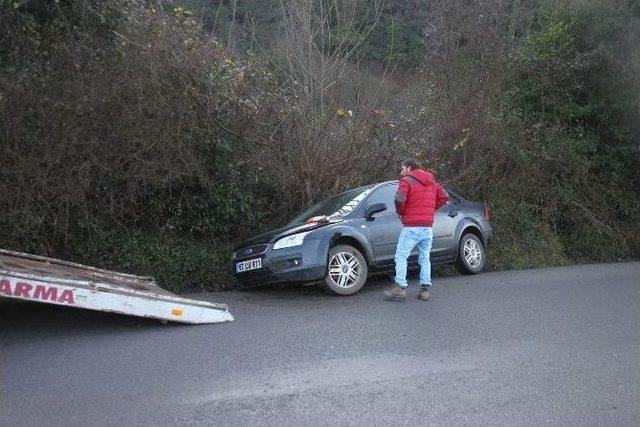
x=471, y=255
x=347, y=271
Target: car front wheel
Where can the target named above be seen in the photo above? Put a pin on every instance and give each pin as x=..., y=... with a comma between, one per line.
x=471, y=255
x=346, y=271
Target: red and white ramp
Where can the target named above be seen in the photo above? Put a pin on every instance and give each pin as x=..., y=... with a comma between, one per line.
x=53, y=281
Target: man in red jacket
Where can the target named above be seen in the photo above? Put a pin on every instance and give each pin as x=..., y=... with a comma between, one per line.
x=418, y=198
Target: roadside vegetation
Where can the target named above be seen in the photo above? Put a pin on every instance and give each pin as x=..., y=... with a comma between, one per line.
x=151, y=136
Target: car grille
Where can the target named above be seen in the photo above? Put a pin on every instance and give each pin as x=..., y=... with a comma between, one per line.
x=250, y=251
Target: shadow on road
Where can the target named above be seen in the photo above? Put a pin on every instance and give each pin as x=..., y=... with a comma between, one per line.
x=20, y=316
x=375, y=284
x=295, y=292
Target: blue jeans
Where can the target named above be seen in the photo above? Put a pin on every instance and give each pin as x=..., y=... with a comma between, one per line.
x=409, y=238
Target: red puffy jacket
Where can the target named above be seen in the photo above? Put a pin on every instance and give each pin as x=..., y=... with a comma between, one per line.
x=418, y=198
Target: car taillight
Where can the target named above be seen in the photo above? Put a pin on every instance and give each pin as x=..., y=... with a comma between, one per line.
x=487, y=212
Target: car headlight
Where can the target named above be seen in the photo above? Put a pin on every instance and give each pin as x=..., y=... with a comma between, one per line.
x=290, y=241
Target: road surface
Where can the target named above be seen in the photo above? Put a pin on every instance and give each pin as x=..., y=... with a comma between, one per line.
x=554, y=346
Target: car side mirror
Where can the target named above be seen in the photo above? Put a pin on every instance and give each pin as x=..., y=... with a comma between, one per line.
x=374, y=209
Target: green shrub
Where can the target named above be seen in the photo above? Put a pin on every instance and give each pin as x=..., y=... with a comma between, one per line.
x=522, y=239
x=179, y=264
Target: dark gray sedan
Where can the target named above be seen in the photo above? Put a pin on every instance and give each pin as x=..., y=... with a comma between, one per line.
x=340, y=241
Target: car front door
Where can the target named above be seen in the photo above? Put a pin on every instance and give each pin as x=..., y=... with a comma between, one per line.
x=384, y=227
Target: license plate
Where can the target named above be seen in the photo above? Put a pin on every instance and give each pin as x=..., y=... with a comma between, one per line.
x=251, y=264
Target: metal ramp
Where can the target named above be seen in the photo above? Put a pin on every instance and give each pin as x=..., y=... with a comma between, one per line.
x=52, y=281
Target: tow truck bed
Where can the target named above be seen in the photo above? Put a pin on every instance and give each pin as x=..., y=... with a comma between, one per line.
x=53, y=281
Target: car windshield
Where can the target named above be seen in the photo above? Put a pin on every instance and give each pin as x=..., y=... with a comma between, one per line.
x=336, y=206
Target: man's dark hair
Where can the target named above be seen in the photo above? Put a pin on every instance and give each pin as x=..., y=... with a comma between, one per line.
x=411, y=163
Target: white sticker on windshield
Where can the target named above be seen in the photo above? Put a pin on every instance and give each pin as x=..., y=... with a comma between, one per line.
x=350, y=206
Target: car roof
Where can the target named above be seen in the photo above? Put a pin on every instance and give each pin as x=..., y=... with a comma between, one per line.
x=447, y=189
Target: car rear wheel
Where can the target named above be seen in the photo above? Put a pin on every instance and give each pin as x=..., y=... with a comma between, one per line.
x=471, y=255
x=346, y=271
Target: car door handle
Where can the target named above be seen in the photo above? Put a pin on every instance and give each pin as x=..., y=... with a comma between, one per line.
x=453, y=213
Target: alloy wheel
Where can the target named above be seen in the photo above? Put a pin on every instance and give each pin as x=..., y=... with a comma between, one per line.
x=472, y=253
x=344, y=269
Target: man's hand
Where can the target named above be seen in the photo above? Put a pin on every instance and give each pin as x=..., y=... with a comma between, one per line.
x=441, y=197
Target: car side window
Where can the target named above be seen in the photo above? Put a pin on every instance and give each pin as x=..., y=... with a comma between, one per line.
x=385, y=195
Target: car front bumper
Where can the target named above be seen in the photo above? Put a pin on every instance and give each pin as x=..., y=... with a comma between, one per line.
x=298, y=264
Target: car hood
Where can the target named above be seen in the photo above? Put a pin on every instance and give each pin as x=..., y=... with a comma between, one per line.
x=271, y=236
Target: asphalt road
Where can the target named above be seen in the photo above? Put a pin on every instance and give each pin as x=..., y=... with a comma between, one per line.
x=538, y=347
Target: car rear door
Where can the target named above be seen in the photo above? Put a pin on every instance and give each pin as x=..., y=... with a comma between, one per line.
x=444, y=227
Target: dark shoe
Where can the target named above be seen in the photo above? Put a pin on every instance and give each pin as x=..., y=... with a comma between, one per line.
x=396, y=293
x=424, y=294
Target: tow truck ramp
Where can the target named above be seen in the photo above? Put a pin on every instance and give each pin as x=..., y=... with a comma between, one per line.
x=52, y=281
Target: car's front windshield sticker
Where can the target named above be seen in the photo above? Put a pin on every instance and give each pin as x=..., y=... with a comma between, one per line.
x=350, y=206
